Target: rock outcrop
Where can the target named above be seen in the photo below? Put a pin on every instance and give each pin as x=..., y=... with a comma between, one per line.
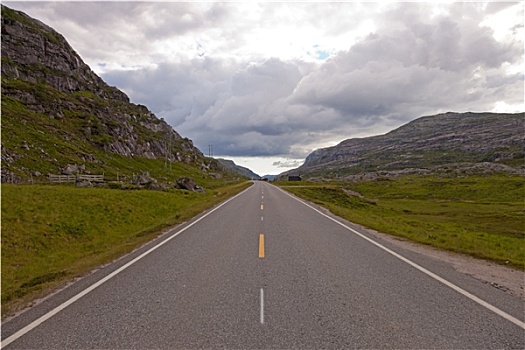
x=473, y=140
x=187, y=183
x=34, y=52
x=57, y=111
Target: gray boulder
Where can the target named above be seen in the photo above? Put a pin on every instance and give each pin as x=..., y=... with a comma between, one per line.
x=83, y=183
x=144, y=179
x=187, y=183
x=72, y=169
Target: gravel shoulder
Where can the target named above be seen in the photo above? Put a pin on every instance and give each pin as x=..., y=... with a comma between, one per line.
x=498, y=276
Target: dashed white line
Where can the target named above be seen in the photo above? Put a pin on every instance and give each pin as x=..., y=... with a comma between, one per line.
x=262, y=306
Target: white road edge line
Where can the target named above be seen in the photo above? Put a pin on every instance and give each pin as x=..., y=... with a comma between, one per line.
x=86, y=291
x=460, y=290
x=262, y=306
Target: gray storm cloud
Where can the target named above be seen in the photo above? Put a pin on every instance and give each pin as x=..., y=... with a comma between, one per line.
x=413, y=65
x=414, y=60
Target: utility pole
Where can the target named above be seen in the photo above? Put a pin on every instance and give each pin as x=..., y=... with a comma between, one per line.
x=167, y=150
x=210, y=151
x=166, y=154
x=171, y=146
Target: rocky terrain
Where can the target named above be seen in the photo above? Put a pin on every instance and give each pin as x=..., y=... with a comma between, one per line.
x=450, y=142
x=58, y=115
x=230, y=166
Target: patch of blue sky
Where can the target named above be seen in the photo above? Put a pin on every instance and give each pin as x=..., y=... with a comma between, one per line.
x=321, y=54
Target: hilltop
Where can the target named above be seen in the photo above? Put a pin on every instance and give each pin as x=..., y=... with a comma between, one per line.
x=234, y=168
x=464, y=142
x=59, y=117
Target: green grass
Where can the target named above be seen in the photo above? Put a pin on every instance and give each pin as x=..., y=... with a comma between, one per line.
x=478, y=216
x=54, y=233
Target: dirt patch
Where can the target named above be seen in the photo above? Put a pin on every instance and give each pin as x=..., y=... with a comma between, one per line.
x=502, y=277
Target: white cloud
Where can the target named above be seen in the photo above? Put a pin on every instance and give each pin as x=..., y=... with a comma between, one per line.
x=277, y=80
x=422, y=66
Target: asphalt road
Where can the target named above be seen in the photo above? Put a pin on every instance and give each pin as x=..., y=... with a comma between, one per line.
x=265, y=270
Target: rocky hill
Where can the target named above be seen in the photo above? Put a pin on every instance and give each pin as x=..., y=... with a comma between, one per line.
x=58, y=115
x=229, y=165
x=461, y=140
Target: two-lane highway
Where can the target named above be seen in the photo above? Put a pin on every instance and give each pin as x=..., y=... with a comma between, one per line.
x=265, y=270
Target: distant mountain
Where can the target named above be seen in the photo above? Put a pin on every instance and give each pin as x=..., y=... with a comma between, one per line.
x=230, y=166
x=58, y=114
x=427, y=143
x=269, y=177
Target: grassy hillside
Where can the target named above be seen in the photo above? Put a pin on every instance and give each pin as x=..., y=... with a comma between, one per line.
x=44, y=144
x=478, y=216
x=54, y=233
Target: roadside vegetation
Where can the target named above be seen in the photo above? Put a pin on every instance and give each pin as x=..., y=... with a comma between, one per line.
x=481, y=216
x=53, y=233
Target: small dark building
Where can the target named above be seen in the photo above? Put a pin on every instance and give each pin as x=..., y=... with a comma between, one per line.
x=294, y=178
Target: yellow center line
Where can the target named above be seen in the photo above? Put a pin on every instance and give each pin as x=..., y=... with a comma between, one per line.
x=261, y=246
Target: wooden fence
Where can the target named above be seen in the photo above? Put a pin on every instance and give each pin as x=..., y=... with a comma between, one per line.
x=73, y=178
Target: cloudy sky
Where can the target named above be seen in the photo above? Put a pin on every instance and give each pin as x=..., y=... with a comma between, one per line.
x=267, y=83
